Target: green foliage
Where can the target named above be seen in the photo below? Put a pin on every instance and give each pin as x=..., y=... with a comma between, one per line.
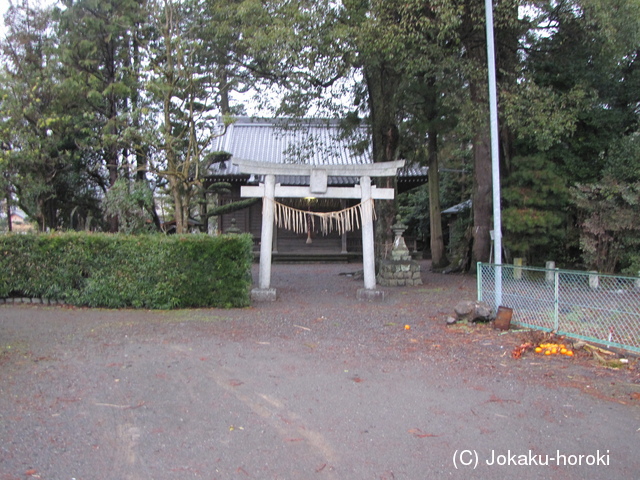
x=183, y=61
x=413, y=207
x=39, y=129
x=119, y=271
x=97, y=89
x=130, y=202
x=234, y=206
x=622, y=160
x=588, y=65
x=534, y=210
x=609, y=213
x=540, y=115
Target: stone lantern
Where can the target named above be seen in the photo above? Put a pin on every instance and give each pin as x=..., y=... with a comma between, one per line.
x=399, y=251
x=400, y=270
x=233, y=229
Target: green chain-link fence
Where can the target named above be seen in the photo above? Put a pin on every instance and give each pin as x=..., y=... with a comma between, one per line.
x=595, y=307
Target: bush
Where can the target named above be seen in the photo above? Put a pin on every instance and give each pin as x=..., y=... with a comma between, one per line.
x=117, y=271
x=609, y=229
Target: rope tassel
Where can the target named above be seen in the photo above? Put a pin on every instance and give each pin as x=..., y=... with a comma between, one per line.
x=299, y=221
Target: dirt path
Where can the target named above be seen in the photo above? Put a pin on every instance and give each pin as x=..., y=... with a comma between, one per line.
x=315, y=384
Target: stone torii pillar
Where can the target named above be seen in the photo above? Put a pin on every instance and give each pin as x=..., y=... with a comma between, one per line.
x=266, y=237
x=318, y=187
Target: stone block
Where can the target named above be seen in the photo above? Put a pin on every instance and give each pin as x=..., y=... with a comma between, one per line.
x=371, y=295
x=263, y=294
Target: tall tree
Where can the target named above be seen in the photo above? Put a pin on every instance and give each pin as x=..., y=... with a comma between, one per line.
x=53, y=182
x=473, y=39
x=185, y=94
x=382, y=61
x=96, y=48
x=575, y=101
x=428, y=112
x=588, y=50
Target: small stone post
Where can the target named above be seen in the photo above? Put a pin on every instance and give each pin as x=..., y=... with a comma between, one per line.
x=550, y=275
x=517, y=268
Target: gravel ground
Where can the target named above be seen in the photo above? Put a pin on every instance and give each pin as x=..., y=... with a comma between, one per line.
x=313, y=385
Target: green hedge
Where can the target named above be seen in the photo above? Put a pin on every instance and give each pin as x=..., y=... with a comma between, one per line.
x=117, y=271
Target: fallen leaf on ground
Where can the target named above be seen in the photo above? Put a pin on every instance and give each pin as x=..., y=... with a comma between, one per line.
x=416, y=432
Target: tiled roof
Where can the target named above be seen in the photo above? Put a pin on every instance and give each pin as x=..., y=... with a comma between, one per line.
x=461, y=207
x=307, y=141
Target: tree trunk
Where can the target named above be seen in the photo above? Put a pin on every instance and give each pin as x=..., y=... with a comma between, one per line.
x=482, y=186
x=382, y=84
x=178, y=206
x=48, y=214
x=438, y=255
x=141, y=151
x=112, y=150
x=223, y=88
x=476, y=45
x=9, y=222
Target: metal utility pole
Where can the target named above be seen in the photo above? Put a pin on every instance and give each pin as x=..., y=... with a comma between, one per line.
x=495, y=150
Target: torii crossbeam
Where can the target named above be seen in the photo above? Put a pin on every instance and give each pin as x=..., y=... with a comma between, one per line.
x=318, y=187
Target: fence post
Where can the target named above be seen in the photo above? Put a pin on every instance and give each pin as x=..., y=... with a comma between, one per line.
x=550, y=275
x=517, y=268
x=479, y=280
x=556, y=300
x=637, y=281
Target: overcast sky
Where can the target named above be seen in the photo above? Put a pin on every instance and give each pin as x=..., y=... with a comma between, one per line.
x=4, y=6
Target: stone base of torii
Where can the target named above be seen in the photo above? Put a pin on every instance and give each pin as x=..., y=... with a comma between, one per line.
x=318, y=188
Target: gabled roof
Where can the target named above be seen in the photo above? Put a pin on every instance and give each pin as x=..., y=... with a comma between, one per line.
x=301, y=141
x=459, y=208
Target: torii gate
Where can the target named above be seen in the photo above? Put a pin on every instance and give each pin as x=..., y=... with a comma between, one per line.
x=318, y=187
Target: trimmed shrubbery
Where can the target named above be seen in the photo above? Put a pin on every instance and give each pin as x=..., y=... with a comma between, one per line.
x=117, y=271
